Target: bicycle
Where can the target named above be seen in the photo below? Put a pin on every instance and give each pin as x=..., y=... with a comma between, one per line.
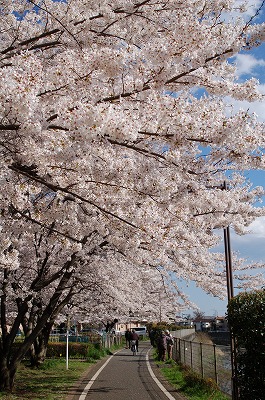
x=133, y=347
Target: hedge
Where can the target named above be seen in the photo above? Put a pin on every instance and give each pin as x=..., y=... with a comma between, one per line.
x=75, y=350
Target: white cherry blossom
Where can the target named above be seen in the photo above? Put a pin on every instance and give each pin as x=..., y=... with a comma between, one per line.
x=112, y=164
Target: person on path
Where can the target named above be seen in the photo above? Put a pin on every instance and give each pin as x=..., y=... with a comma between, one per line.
x=152, y=337
x=170, y=343
x=162, y=346
x=128, y=338
x=135, y=336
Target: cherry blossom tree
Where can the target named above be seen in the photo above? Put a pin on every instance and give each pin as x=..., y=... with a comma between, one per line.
x=55, y=279
x=109, y=159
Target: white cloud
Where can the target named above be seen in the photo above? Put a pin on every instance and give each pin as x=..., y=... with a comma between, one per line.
x=262, y=88
x=257, y=107
x=250, y=245
x=245, y=9
x=251, y=7
x=246, y=64
x=257, y=229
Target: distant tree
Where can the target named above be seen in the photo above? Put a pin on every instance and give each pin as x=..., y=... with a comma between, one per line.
x=198, y=315
x=110, y=325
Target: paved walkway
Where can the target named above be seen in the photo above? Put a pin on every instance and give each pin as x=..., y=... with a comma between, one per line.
x=124, y=376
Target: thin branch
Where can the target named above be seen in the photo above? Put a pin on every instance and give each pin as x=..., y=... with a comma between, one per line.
x=41, y=36
x=33, y=176
x=254, y=16
x=138, y=149
x=57, y=20
x=49, y=228
x=168, y=82
x=175, y=78
x=9, y=127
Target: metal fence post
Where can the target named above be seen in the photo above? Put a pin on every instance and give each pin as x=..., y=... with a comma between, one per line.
x=202, y=371
x=191, y=354
x=215, y=364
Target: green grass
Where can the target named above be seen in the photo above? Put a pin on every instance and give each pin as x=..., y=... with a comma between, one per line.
x=189, y=384
x=51, y=382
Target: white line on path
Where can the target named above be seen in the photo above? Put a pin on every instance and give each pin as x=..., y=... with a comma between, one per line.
x=159, y=384
x=94, y=377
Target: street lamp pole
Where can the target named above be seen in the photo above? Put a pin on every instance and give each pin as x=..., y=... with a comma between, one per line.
x=67, y=342
x=160, y=309
x=68, y=316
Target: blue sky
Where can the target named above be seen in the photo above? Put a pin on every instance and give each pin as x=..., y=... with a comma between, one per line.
x=251, y=246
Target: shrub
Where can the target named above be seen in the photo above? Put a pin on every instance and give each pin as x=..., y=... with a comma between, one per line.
x=75, y=350
x=246, y=317
x=50, y=364
x=94, y=353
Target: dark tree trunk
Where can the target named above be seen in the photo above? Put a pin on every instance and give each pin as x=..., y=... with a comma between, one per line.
x=4, y=376
x=40, y=320
x=7, y=374
x=38, y=349
x=110, y=325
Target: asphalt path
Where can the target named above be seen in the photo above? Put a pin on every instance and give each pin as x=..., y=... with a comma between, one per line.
x=124, y=376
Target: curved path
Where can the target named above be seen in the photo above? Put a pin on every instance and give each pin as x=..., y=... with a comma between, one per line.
x=124, y=376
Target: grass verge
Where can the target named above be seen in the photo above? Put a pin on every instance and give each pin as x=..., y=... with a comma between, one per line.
x=190, y=384
x=52, y=381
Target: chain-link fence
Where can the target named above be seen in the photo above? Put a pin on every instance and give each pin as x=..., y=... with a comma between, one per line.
x=210, y=361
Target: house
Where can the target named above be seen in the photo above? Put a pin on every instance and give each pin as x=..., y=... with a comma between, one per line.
x=203, y=324
x=210, y=323
x=185, y=322
x=220, y=324
x=133, y=323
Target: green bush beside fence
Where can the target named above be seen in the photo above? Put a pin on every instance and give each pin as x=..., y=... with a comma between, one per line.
x=246, y=317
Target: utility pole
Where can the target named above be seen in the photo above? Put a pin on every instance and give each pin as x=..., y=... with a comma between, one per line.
x=230, y=295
